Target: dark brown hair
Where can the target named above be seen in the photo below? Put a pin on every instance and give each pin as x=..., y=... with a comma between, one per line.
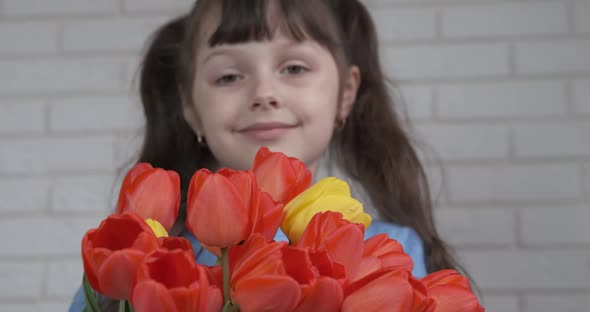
x=373, y=147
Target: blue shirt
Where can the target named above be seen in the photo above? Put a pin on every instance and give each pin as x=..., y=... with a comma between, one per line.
x=406, y=236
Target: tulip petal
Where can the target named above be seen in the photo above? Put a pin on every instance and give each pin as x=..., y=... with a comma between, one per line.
x=151, y=296
x=267, y=293
x=254, y=258
x=174, y=242
x=180, y=280
x=452, y=298
x=298, y=217
x=127, y=234
x=153, y=193
x=451, y=292
x=298, y=265
x=117, y=273
x=267, y=216
x=216, y=212
x=387, y=290
x=326, y=295
x=282, y=177
x=325, y=187
x=446, y=277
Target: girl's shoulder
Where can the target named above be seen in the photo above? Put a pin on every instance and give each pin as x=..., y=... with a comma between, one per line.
x=398, y=232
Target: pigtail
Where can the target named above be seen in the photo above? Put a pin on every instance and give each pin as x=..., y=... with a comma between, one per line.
x=166, y=133
x=375, y=149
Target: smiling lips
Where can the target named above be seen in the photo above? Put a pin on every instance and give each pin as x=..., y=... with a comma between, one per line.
x=266, y=130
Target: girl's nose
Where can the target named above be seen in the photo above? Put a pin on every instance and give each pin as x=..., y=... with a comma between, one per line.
x=264, y=103
x=264, y=90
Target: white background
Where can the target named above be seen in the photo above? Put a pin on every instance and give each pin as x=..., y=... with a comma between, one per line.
x=499, y=89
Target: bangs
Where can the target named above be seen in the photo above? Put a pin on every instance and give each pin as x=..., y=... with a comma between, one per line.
x=259, y=20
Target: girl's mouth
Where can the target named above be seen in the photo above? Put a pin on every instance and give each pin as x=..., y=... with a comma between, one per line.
x=266, y=131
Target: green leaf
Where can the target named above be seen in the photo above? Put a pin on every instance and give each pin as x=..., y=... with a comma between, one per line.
x=90, y=295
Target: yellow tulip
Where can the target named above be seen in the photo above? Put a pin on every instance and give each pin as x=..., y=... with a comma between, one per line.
x=157, y=228
x=329, y=194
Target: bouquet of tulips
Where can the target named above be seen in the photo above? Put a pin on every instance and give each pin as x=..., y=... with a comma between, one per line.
x=326, y=265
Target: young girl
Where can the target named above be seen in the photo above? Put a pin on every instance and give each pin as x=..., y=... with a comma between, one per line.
x=300, y=77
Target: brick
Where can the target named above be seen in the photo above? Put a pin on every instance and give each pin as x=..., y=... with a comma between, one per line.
x=509, y=19
x=95, y=113
x=557, y=302
x=89, y=194
x=59, y=7
x=404, y=24
x=466, y=142
x=22, y=279
x=24, y=195
x=22, y=117
x=35, y=307
x=109, y=34
x=509, y=183
x=538, y=225
x=39, y=156
x=64, y=278
x=446, y=61
x=28, y=37
x=582, y=16
x=566, y=139
x=529, y=270
x=503, y=303
x=158, y=5
x=502, y=100
x=23, y=77
x=581, y=98
x=476, y=227
x=553, y=57
x=416, y=101
x=50, y=237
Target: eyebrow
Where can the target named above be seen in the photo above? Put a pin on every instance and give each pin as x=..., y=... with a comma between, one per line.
x=215, y=53
x=288, y=44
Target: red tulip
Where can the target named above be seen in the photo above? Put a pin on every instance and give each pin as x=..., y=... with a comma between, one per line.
x=152, y=193
x=328, y=234
x=226, y=207
x=387, y=290
x=451, y=292
x=381, y=252
x=112, y=252
x=259, y=281
x=320, y=283
x=282, y=177
x=173, y=242
x=171, y=281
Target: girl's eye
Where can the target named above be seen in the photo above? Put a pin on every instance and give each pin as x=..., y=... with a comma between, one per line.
x=227, y=79
x=295, y=69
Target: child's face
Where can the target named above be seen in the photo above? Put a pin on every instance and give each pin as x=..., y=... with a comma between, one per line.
x=280, y=93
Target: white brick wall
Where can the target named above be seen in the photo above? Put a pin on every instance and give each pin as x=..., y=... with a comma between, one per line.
x=499, y=89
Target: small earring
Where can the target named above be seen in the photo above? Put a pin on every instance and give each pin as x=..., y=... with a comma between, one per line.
x=340, y=123
x=200, y=138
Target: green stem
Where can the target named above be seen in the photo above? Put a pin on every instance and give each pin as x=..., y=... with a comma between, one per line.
x=227, y=306
x=122, y=306
x=90, y=296
x=225, y=270
x=129, y=306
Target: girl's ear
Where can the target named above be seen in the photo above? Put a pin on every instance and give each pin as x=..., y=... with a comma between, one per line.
x=189, y=112
x=349, y=91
